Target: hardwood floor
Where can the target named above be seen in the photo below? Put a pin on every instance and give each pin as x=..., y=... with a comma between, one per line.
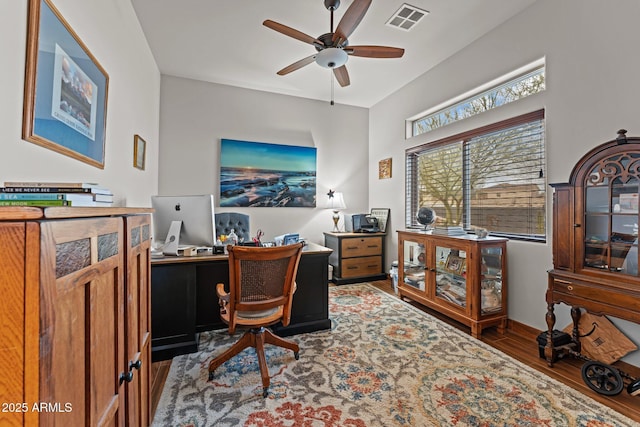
x=518, y=342
x=159, y=372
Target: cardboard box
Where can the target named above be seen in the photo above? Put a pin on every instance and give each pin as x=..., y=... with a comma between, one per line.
x=187, y=251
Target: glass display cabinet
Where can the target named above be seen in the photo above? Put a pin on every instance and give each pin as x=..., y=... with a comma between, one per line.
x=595, y=237
x=611, y=222
x=463, y=277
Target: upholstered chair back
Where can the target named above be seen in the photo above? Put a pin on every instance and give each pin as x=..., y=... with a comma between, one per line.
x=225, y=221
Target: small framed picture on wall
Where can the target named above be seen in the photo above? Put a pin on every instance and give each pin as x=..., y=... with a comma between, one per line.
x=384, y=168
x=139, y=152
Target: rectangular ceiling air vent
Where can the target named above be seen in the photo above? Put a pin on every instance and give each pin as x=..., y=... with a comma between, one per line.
x=406, y=17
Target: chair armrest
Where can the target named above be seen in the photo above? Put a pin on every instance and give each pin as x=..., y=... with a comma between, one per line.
x=223, y=298
x=221, y=292
x=286, y=309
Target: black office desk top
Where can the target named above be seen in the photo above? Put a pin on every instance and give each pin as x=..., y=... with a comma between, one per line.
x=308, y=249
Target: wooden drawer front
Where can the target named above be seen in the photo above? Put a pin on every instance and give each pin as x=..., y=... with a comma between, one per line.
x=357, y=267
x=361, y=246
x=594, y=292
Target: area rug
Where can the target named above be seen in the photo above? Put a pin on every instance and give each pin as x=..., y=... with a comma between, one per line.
x=383, y=363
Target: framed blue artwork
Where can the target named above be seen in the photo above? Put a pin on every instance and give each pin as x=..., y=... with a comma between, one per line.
x=256, y=174
x=65, y=106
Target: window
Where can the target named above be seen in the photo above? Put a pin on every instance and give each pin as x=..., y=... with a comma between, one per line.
x=516, y=88
x=492, y=177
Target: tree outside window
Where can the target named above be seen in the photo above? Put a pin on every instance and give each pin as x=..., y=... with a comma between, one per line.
x=525, y=85
x=491, y=178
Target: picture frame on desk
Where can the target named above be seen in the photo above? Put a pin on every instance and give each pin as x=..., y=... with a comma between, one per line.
x=65, y=96
x=455, y=264
x=382, y=215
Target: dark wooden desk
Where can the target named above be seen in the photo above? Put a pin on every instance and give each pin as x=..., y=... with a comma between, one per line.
x=184, y=301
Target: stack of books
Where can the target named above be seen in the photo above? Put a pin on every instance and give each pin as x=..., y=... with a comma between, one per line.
x=55, y=194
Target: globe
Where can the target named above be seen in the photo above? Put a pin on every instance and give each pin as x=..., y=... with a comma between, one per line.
x=426, y=216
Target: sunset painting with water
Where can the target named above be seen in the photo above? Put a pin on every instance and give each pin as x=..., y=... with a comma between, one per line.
x=254, y=174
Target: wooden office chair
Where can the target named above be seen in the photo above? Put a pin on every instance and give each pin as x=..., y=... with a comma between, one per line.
x=261, y=287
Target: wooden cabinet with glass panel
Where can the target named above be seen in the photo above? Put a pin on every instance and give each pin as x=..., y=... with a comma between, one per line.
x=463, y=277
x=595, y=237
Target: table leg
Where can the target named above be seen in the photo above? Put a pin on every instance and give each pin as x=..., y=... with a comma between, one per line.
x=575, y=333
x=549, y=349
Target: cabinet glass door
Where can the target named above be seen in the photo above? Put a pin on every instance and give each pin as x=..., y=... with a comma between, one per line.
x=414, y=264
x=491, y=280
x=451, y=275
x=611, y=217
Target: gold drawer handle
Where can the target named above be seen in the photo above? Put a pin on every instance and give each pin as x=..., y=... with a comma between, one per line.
x=569, y=288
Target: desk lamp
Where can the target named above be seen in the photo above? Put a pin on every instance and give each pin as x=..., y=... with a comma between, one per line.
x=336, y=202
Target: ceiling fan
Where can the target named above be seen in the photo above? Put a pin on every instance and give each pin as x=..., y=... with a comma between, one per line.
x=333, y=48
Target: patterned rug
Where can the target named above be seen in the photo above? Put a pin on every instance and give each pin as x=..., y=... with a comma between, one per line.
x=383, y=363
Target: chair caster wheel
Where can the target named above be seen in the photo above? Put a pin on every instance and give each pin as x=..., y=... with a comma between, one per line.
x=265, y=393
x=210, y=376
x=296, y=355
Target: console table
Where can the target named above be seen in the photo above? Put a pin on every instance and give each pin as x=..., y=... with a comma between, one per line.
x=184, y=301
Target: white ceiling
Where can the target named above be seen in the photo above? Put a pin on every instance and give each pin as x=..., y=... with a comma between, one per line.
x=225, y=42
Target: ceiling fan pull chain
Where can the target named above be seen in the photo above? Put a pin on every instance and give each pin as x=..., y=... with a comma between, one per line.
x=332, y=80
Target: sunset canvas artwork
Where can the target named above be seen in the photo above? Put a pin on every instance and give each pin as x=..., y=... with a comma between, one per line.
x=255, y=174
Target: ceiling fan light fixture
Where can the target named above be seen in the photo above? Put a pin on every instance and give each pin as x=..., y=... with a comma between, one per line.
x=332, y=57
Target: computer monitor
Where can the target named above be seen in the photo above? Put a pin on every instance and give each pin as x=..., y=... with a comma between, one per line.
x=196, y=214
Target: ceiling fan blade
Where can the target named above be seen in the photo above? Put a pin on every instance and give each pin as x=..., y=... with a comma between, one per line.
x=297, y=65
x=350, y=20
x=342, y=76
x=288, y=31
x=375, y=51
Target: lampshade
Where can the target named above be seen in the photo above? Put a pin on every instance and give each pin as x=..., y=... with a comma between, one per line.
x=331, y=57
x=337, y=202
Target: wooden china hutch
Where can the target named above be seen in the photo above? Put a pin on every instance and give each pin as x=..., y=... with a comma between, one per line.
x=595, y=238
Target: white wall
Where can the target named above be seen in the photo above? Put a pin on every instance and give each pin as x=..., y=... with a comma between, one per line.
x=194, y=116
x=112, y=33
x=592, y=90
